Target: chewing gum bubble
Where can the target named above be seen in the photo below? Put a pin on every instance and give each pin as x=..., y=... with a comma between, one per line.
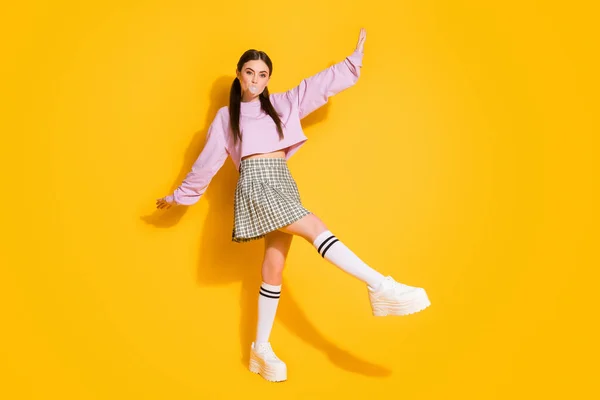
x=253, y=89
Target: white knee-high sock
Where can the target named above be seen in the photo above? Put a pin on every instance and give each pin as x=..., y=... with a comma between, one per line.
x=268, y=299
x=334, y=251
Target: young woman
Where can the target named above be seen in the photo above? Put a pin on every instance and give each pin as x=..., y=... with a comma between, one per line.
x=260, y=132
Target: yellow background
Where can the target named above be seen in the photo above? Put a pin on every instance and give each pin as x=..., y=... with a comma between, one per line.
x=464, y=161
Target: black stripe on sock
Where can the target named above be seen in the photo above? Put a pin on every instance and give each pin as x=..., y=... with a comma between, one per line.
x=327, y=248
x=269, y=296
x=324, y=242
x=269, y=291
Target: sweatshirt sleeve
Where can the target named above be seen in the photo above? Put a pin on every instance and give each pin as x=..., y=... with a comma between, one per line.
x=314, y=91
x=209, y=162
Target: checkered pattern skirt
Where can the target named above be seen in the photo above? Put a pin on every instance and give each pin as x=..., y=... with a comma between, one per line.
x=266, y=199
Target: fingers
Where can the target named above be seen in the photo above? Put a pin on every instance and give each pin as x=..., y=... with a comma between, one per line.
x=162, y=204
x=361, y=39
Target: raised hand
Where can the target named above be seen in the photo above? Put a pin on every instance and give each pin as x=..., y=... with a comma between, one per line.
x=361, y=40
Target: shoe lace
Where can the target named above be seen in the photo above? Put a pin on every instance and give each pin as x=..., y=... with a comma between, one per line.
x=268, y=353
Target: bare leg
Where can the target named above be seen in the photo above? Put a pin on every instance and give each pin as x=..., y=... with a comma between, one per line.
x=308, y=227
x=277, y=246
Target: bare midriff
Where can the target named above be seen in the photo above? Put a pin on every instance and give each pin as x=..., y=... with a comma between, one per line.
x=273, y=154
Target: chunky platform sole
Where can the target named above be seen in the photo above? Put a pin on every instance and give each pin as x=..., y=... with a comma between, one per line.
x=270, y=373
x=413, y=303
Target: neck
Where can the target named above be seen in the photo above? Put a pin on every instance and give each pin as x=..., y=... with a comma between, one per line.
x=248, y=98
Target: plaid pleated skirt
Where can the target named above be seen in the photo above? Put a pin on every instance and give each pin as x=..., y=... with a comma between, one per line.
x=266, y=199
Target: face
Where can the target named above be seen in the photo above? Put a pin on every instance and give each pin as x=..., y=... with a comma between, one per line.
x=254, y=74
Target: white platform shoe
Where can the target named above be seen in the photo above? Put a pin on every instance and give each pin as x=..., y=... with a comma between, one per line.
x=264, y=362
x=393, y=298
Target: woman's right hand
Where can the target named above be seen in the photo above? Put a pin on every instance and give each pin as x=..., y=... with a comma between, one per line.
x=164, y=203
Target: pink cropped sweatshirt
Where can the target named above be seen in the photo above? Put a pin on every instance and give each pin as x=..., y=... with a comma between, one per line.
x=258, y=130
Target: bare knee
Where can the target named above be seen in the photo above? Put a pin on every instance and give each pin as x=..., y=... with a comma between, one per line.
x=308, y=227
x=277, y=246
x=272, y=271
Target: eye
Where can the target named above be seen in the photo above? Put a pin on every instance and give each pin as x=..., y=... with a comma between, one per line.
x=264, y=75
x=248, y=73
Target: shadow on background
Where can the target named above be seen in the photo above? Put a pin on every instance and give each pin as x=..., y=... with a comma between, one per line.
x=222, y=261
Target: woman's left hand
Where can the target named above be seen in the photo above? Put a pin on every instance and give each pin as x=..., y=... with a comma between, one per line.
x=164, y=203
x=361, y=40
